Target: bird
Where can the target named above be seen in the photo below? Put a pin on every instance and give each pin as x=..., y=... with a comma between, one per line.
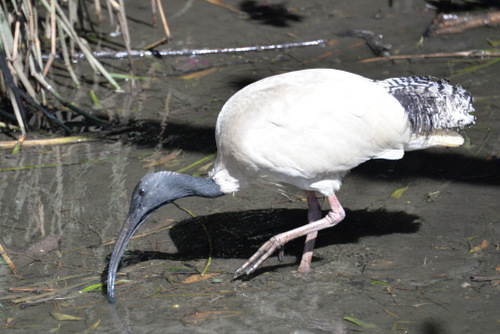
x=307, y=129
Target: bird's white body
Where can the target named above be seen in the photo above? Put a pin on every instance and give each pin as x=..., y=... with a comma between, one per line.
x=309, y=128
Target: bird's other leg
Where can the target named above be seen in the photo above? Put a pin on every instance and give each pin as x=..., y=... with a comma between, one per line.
x=334, y=216
x=314, y=214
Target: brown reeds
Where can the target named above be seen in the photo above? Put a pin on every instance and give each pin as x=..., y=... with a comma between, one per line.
x=25, y=27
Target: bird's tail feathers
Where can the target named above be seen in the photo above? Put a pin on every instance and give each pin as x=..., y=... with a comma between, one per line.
x=431, y=104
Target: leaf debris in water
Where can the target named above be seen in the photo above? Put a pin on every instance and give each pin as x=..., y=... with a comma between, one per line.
x=199, y=74
x=361, y=323
x=398, y=193
x=64, y=317
x=483, y=245
x=94, y=287
x=197, y=278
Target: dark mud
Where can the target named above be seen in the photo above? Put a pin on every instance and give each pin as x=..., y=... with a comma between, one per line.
x=394, y=265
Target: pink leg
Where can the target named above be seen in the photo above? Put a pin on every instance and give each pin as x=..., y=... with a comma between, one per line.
x=333, y=217
x=313, y=215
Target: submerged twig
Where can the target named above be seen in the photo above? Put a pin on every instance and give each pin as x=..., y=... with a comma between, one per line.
x=485, y=278
x=210, y=250
x=111, y=242
x=7, y=145
x=373, y=40
x=223, y=5
x=66, y=292
x=455, y=24
x=457, y=54
x=196, y=52
x=8, y=261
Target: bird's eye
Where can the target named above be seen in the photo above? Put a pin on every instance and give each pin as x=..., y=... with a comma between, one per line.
x=141, y=192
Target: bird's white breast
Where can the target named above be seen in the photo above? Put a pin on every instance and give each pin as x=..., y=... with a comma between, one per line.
x=306, y=128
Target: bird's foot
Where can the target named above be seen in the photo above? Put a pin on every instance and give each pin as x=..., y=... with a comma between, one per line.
x=260, y=256
x=304, y=268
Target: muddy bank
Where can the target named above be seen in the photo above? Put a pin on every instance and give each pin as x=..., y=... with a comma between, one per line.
x=394, y=265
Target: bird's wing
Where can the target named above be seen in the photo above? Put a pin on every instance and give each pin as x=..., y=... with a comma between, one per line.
x=303, y=127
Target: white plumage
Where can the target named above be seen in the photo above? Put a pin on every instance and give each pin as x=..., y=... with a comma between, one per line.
x=308, y=129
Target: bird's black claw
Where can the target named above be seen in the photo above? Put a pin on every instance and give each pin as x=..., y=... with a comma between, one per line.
x=281, y=254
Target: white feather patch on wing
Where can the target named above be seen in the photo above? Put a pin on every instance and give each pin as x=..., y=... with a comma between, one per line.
x=391, y=155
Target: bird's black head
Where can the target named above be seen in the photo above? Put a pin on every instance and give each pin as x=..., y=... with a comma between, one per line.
x=152, y=192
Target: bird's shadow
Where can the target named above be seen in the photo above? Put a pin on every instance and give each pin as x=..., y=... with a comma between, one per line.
x=463, y=6
x=240, y=234
x=276, y=15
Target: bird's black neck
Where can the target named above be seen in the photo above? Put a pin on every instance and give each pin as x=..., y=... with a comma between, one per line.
x=206, y=187
x=189, y=185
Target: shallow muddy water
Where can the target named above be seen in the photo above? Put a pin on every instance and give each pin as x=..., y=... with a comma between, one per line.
x=394, y=265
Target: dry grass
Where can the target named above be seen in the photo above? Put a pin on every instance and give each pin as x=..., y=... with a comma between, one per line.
x=29, y=29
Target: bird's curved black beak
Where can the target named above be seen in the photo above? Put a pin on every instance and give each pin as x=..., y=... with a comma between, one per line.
x=135, y=218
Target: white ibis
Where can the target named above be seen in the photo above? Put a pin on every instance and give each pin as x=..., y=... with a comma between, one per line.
x=308, y=129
